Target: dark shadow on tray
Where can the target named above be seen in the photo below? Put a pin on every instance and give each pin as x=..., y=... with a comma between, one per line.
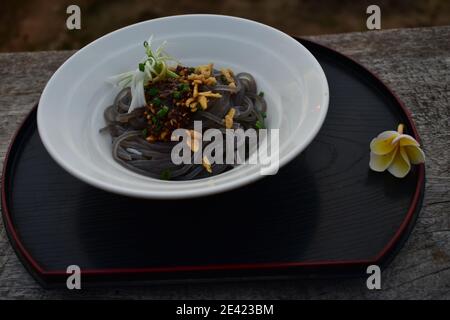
x=261, y=222
x=392, y=187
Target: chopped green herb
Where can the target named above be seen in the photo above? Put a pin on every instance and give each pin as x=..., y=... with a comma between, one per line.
x=172, y=74
x=162, y=112
x=145, y=44
x=157, y=124
x=158, y=127
x=191, y=70
x=176, y=95
x=264, y=114
x=153, y=91
x=156, y=102
x=165, y=174
x=183, y=87
x=223, y=79
x=145, y=133
x=141, y=67
x=261, y=94
x=259, y=125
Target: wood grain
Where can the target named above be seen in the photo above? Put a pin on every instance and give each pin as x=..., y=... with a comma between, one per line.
x=415, y=63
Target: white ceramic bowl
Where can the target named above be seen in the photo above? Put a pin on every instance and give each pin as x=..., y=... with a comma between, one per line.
x=70, y=111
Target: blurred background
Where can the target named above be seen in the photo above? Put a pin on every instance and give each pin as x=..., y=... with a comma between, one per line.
x=40, y=24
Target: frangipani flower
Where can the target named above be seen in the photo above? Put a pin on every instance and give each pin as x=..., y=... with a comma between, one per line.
x=395, y=151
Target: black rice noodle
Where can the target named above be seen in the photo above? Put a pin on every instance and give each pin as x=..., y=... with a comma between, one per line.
x=134, y=152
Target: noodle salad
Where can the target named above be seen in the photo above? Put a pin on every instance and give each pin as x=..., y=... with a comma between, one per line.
x=160, y=96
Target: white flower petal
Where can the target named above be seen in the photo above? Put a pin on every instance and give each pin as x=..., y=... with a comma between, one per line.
x=406, y=140
x=415, y=154
x=380, y=163
x=383, y=143
x=387, y=134
x=400, y=166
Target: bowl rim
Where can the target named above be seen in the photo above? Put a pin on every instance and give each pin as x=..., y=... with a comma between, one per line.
x=186, y=193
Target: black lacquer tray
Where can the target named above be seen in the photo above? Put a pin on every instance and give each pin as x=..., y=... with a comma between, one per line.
x=325, y=213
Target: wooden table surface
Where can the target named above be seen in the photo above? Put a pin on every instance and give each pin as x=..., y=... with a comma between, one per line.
x=415, y=63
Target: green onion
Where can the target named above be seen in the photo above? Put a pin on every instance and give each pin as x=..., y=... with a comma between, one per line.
x=191, y=70
x=176, y=95
x=162, y=112
x=156, y=102
x=223, y=79
x=165, y=174
x=264, y=114
x=135, y=80
x=153, y=91
x=158, y=127
x=171, y=74
x=261, y=94
x=183, y=87
x=158, y=67
x=259, y=125
x=145, y=132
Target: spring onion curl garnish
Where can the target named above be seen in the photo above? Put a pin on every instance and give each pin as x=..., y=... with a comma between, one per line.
x=153, y=68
